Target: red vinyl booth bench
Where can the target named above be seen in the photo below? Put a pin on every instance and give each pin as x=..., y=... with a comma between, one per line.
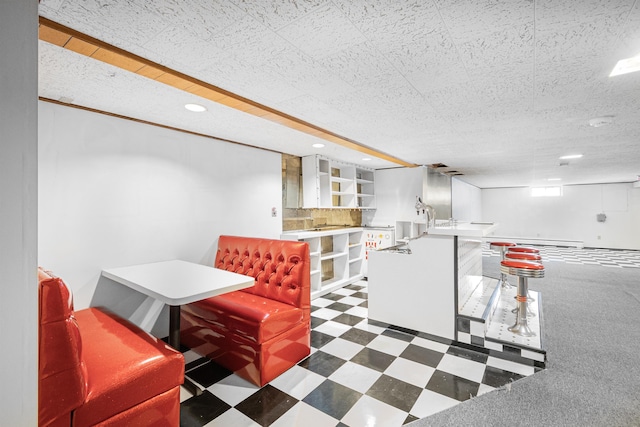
x=262, y=331
x=98, y=369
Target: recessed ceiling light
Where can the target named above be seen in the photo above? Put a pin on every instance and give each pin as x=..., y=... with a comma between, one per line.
x=366, y=159
x=571, y=156
x=196, y=108
x=553, y=179
x=318, y=145
x=601, y=121
x=625, y=66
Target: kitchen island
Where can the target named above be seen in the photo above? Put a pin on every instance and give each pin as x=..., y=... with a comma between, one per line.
x=434, y=285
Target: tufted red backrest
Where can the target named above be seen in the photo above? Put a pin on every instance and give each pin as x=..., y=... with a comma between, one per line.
x=281, y=267
x=61, y=372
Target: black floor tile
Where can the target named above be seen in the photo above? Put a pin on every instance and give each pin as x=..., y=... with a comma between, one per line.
x=322, y=363
x=496, y=377
x=410, y=419
x=452, y=386
x=348, y=319
x=209, y=373
x=364, y=304
x=354, y=287
x=266, y=405
x=395, y=392
x=338, y=306
x=468, y=354
x=318, y=339
x=333, y=297
x=398, y=335
x=418, y=354
x=199, y=410
x=332, y=398
x=316, y=321
x=373, y=359
x=362, y=295
x=358, y=336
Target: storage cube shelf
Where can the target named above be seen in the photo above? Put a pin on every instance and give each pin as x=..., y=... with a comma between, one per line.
x=341, y=261
x=330, y=183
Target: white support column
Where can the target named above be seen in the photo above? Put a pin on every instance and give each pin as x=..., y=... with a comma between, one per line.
x=18, y=211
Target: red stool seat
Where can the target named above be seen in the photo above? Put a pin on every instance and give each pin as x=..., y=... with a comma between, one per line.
x=524, y=249
x=523, y=256
x=498, y=245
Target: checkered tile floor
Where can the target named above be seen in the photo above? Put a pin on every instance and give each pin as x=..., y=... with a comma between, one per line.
x=616, y=258
x=359, y=373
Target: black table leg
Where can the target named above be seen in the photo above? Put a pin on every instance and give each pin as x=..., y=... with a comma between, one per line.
x=174, y=341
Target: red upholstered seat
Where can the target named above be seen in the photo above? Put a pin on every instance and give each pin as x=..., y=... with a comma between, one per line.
x=96, y=368
x=253, y=317
x=261, y=331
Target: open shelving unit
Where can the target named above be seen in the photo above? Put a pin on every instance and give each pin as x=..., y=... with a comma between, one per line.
x=336, y=257
x=330, y=183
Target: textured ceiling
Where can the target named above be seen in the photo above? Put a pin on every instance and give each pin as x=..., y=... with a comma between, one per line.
x=497, y=90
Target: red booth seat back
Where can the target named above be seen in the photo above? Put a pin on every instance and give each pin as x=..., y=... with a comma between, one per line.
x=279, y=267
x=61, y=370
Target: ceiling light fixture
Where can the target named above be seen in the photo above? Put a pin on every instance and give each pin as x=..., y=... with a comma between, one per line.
x=318, y=145
x=196, y=108
x=625, y=66
x=571, y=156
x=601, y=121
x=554, y=179
x=366, y=159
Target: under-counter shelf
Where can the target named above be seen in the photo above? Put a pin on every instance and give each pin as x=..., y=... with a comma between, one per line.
x=336, y=257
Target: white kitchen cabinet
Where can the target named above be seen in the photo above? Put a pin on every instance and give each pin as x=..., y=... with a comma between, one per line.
x=328, y=183
x=336, y=257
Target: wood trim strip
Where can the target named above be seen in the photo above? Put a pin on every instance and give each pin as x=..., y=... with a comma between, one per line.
x=52, y=32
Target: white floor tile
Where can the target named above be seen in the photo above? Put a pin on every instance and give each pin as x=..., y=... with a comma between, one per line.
x=484, y=389
x=358, y=311
x=233, y=389
x=461, y=367
x=356, y=377
x=333, y=328
x=388, y=345
x=365, y=326
x=304, y=415
x=234, y=418
x=184, y=394
x=410, y=372
x=368, y=412
x=344, y=291
x=430, y=402
x=326, y=313
x=342, y=348
x=352, y=301
x=298, y=382
x=432, y=345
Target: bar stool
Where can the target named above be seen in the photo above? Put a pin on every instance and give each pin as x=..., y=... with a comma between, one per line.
x=524, y=256
x=524, y=270
x=524, y=249
x=502, y=247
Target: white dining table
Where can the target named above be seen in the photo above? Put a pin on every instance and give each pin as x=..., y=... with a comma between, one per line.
x=175, y=283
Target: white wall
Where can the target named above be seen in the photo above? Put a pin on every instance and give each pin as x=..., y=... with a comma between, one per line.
x=18, y=212
x=396, y=190
x=466, y=201
x=115, y=192
x=570, y=217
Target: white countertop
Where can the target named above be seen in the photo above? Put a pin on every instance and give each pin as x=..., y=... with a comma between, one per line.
x=303, y=234
x=467, y=229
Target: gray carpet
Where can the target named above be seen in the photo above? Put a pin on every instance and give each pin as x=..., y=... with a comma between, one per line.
x=592, y=337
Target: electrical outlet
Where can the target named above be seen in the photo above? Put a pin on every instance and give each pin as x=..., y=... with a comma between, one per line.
x=274, y=212
x=599, y=237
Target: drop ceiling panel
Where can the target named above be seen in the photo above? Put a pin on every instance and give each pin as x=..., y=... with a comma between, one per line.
x=497, y=89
